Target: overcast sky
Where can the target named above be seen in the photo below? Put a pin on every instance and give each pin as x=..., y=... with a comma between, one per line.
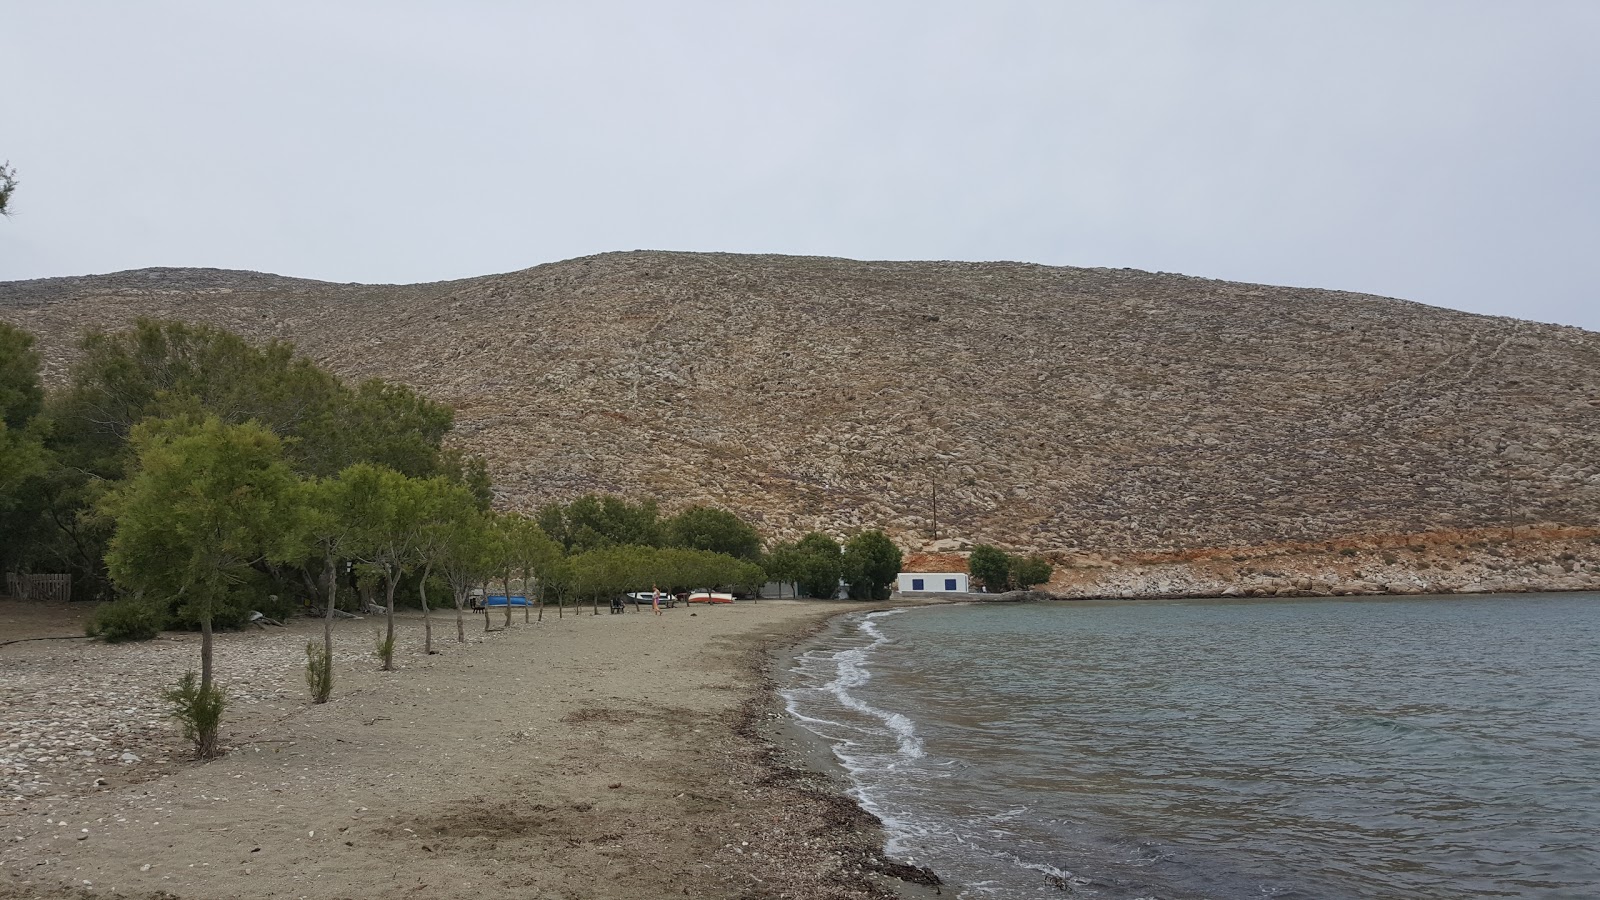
x=1446, y=152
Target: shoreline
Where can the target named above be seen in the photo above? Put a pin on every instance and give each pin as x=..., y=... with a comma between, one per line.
x=797, y=752
x=599, y=756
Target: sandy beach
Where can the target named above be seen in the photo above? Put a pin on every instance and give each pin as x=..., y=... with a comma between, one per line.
x=610, y=756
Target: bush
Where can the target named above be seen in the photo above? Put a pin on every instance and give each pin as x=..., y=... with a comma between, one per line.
x=991, y=566
x=384, y=648
x=1029, y=571
x=199, y=710
x=128, y=619
x=319, y=672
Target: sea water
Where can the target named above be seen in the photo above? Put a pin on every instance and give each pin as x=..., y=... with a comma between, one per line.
x=1375, y=747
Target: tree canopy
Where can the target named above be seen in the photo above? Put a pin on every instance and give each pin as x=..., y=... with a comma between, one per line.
x=990, y=566
x=717, y=530
x=870, y=563
x=8, y=186
x=207, y=501
x=999, y=571
x=172, y=370
x=817, y=565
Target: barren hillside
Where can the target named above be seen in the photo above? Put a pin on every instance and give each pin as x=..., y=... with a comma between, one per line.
x=1056, y=408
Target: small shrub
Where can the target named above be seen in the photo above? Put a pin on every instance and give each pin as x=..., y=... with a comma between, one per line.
x=385, y=651
x=199, y=710
x=1348, y=551
x=128, y=619
x=319, y=672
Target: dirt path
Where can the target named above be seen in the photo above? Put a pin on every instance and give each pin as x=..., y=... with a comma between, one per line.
x=591, y=756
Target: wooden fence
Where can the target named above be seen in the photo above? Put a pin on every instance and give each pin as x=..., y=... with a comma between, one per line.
x=39, y=587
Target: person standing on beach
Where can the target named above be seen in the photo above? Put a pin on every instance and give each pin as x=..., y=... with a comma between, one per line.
x=655, y=599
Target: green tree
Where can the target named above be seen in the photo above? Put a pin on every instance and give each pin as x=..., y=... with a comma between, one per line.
x=382, y=505
x=532, y=553
x=171, y=369
x=783, y=564
x=870, y=563
x=593, y=522
x=394, y=426
x=717, y=530
x=328, y=530
x=435, y=508
x=206, y=502
x=21, y=394
x=602, y=573
x=1028, y=571
x=24, y=461
x=8, y=186
x=820, y=566
x=466, y=557
x=991, y=566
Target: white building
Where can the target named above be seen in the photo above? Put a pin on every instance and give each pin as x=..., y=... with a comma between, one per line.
x=933, y=582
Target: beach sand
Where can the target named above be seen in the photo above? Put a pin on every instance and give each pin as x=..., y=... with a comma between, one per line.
x=610, y=756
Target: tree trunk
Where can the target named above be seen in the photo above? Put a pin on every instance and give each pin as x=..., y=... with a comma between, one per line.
x=205, y=650
x=488, y=614
x=427, y=622
x=541, y=601
x=506, y=580
x=461, y=618
x=389, y=580
x=594, y=599
x=332, y=574
x=527, y=598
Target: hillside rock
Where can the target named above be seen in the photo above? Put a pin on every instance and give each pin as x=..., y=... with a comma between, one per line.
x=1075, y=411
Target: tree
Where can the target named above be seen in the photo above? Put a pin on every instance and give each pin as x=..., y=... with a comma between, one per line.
x=206, y=502
x=435, y=508
x=783, y=564
x=329, y=529
x=1028, y=571
x=466, y=557
x=24, y=460
x=8, y=185
x=602, y=572
x=21, y=394
x=392, y=425
x=819, y=565
x=532, y=551
x=717, y=530
x=870, y=563
x=381, y=504
x=593, y=522
x=991, y=566
x=171, y=369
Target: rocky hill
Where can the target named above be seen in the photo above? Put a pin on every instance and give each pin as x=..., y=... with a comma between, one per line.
x=1083, y=411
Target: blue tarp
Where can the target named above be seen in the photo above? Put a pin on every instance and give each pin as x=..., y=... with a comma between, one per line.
x=500, y=600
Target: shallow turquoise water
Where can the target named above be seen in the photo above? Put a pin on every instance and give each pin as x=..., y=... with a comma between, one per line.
x=1418, y=747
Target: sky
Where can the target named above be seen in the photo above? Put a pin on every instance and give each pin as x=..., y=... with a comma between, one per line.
x=1445, y=152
